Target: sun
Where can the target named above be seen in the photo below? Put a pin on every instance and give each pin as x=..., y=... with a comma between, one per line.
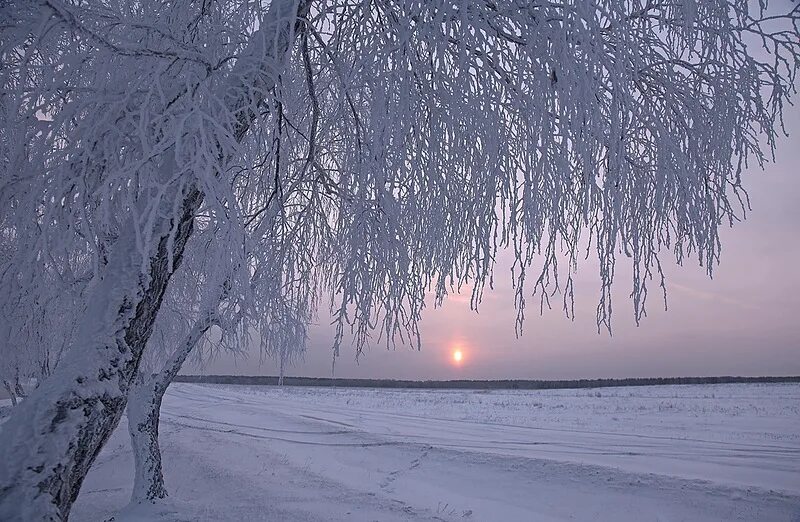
x=458, y=356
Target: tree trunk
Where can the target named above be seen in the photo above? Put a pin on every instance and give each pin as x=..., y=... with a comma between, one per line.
x=18, y=387
x=144, y=408
x=10, y=391
x=280, y=371
x=52, y=438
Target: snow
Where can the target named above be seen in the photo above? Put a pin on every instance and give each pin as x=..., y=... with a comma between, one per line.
x=5, y=409
x=714, y=452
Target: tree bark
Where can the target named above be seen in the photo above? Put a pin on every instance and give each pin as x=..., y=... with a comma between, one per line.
x=10, y=391
x=144, y=405
x=144, y=408
x=18, y=387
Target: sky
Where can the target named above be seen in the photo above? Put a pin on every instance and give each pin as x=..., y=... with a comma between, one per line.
x=746, y=321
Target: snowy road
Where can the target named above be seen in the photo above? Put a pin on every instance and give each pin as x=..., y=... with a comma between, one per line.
x=236, y=453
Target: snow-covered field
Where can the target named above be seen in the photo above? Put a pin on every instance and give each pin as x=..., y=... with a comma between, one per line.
x=716, y=452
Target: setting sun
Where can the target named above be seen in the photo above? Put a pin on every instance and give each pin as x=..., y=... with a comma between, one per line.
x=458, y=356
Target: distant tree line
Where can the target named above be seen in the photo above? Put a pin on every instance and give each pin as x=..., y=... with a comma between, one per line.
x=477, y=384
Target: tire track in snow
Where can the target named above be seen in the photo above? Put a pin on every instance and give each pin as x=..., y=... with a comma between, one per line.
x=207, y=427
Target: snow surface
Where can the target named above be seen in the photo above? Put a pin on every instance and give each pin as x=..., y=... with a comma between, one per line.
x=666, y=453
x=5, y=408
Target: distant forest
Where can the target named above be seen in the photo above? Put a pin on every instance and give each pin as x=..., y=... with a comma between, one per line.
x=476, y=384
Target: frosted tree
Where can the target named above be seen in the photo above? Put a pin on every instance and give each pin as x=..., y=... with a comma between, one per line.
x=191, y=307
x=255, y=307
x=132, y=142
x=408, y=142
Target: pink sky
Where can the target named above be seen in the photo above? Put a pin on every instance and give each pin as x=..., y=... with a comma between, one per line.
x=746, y=321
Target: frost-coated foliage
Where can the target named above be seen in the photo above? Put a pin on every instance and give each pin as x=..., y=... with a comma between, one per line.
x=405, y=144
x=39, y=310
x=462, y=128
